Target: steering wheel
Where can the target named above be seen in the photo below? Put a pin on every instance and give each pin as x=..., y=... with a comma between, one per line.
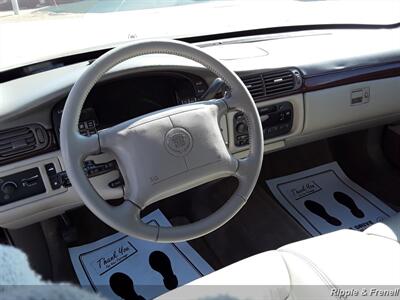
x=165, y=152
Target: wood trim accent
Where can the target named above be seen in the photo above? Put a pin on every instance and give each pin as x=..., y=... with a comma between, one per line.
x=349, y=76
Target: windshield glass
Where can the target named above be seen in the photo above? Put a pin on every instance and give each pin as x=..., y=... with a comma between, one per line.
x=37, y=30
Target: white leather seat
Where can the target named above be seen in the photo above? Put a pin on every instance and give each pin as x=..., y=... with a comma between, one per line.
x=332, y=261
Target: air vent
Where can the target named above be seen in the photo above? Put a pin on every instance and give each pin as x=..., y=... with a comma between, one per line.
x=19, y=141
x=263, y=86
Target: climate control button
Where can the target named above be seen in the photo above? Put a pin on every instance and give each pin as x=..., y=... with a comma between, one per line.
x=242, y=128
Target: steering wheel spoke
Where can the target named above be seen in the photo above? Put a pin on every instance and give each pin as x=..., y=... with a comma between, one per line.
x=234, y=100
x=88, y=144
x=129, y=212
x=83, y=145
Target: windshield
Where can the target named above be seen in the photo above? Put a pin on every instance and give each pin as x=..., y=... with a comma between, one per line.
x=37, y=30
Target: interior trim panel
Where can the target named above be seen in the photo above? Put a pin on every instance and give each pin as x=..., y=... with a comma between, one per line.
x=334, y=107
x=351, y=75
x=53, y=201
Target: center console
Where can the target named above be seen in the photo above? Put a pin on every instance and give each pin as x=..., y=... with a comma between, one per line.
x=276, y=120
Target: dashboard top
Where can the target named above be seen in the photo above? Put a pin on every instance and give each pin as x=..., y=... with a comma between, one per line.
x=314, y=53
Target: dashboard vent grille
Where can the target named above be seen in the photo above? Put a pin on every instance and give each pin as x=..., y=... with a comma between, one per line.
x=255, y=85
x=278, y=82
x=267, y=85
x=21, y=140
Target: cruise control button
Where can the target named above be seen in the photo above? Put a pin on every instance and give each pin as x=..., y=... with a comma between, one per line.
x=116, y=183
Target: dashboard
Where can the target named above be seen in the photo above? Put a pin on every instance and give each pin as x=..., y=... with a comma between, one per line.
x=307, y=86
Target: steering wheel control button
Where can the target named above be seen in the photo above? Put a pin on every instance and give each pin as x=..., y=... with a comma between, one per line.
x=116, y=183
x=178, y=142
x=90, y=168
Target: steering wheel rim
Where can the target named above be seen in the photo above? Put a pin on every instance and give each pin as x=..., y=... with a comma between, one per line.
x=126, y=217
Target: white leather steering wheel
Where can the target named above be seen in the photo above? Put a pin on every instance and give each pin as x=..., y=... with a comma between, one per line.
x=163, y=153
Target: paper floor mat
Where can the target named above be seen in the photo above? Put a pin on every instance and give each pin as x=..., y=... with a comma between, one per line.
x=324, y=199
x=98, y=262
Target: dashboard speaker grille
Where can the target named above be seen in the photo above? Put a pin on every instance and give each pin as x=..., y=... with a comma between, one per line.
x=264, y=86
x=18, y=141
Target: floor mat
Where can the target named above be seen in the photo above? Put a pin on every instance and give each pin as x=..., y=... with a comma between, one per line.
x=324, y=199
x=120, y=266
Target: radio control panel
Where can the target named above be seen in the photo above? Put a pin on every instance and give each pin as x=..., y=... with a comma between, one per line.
x=277, y=120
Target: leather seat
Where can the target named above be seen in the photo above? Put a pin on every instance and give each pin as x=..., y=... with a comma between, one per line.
x=329, y=263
